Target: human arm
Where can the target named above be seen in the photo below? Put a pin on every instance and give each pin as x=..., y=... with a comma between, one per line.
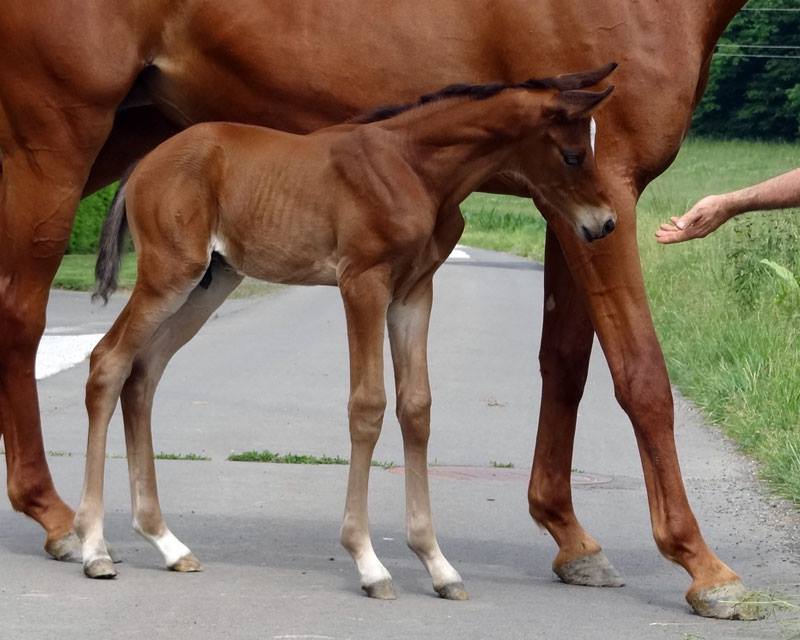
x=712, y=211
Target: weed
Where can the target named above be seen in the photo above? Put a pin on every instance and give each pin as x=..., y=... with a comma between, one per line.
x=289, y=458
x=180, y=456
x=502, y=465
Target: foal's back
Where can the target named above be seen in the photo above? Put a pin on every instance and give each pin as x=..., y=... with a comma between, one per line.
x=270, y=202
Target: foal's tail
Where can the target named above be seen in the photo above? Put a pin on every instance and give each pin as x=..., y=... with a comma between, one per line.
x=112, y=240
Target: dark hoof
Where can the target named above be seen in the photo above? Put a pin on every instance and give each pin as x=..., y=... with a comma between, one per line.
x=187, y=564
x=100, y=569
x=66, y=549
x=729, y=601
x=381, y=590
x=590, y=571
x=453, y=591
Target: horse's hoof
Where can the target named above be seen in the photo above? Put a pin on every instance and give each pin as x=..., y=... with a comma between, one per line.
x=187, y=564
x=453, y=591
x=593, y=570
x=729, y=601
x=65, y=549
x=381, y=590
x=100, y=569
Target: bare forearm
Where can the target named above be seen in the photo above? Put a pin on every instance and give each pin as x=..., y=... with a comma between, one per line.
x=712, y=211
x=776, y=193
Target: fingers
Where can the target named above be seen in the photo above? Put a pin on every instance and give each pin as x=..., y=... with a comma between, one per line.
x=703, y=218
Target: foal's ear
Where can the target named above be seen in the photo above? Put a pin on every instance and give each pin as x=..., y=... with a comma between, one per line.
x=582, y=79
x=569, y=105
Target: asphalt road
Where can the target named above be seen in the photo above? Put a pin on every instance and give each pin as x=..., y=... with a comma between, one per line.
x=271, y=373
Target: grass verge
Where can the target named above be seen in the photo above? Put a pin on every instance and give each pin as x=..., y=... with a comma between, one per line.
x=729, y=326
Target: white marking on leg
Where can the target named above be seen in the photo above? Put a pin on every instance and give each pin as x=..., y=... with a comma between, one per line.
x=170, y=547
x=593, y=133
x=551, y=303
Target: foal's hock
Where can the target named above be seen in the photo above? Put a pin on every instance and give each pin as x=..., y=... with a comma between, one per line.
x=369, y=206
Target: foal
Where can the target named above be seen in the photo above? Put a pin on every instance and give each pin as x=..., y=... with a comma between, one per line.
x=370, y=206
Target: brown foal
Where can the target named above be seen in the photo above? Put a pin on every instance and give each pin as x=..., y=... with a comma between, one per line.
x=371, y=207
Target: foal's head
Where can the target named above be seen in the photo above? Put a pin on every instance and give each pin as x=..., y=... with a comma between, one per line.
x=554, y=154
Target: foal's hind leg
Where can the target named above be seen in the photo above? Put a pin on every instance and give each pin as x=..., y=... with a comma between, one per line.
x=137, y=404
x=366, y=298
x=111, y=363
x=408, y=332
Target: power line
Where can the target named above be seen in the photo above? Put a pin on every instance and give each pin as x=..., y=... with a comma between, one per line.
x=759, y=46
x=754, y=55
x=785, y=9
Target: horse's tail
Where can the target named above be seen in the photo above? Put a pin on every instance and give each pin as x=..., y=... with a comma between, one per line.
x=112, y=241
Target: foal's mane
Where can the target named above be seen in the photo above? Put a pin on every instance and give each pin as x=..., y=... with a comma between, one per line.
x=565, y=82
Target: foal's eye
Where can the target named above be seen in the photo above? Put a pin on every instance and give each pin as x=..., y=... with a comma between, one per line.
x=573, y=158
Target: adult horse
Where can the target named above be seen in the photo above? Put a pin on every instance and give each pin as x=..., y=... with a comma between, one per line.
x=88, y=86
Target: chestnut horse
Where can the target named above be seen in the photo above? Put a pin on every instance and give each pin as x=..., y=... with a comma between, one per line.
x=87, y=87
x=372, y=208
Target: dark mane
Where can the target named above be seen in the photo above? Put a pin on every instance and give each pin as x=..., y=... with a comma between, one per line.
x=470, y=91
x=565, y=82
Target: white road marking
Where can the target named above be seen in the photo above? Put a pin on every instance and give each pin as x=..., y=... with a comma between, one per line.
x=57, y=353
x=459, y=254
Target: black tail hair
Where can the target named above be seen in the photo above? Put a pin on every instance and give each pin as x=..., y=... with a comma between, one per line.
x=112, y=241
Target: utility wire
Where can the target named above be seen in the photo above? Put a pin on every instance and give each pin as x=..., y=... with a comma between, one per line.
x=754, y=55
x=759, y=46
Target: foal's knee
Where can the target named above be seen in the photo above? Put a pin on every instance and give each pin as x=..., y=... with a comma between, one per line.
x=106, y=374
x=365, y=410
x=414, y=415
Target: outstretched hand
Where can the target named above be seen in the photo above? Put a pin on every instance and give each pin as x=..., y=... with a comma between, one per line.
x=703, y=218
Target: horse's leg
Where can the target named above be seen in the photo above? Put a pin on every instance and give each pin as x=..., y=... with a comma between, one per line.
x=408, y=333
x=150, y=305
x=609, y=273
x=366, y=298
x=567, y=335
x=137, y=404
x=45, y=161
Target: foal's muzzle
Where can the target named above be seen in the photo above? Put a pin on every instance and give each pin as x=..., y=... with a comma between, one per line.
x=596, y=232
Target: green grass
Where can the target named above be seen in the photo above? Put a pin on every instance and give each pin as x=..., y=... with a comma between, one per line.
x=729, y=328
x=501, y=465
x=288, y=458
x=293, y=458
x=181, y=456
x=77, y=272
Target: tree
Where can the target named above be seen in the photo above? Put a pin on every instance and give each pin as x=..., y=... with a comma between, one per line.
x=754, y=84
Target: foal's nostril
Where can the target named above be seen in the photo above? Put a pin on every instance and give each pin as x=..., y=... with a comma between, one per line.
x=609, y=226
x=587, y=234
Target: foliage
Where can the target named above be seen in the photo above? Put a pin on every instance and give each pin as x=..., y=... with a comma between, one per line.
x=754, y=91
x=89, y=221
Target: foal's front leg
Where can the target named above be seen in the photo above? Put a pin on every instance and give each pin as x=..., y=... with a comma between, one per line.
x=366, y=298
x=408, y=333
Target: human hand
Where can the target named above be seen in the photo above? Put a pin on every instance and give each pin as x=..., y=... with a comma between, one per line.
x=703, y=218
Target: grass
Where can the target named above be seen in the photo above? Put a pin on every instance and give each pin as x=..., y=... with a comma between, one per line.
x=77, y=272
x=293, y=458
x=180, y=456
x=729, y=326
x=288, y=458
x=501, y=465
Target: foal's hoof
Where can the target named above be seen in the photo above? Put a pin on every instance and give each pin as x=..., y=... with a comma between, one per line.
x=187, y=564
x=100, y=569
x=65, y=549
x=729, y=601
x=593, y=570
x=381, y=590
x=453, y=591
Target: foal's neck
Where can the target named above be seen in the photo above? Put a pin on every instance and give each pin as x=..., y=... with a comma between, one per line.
x=455, y=146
